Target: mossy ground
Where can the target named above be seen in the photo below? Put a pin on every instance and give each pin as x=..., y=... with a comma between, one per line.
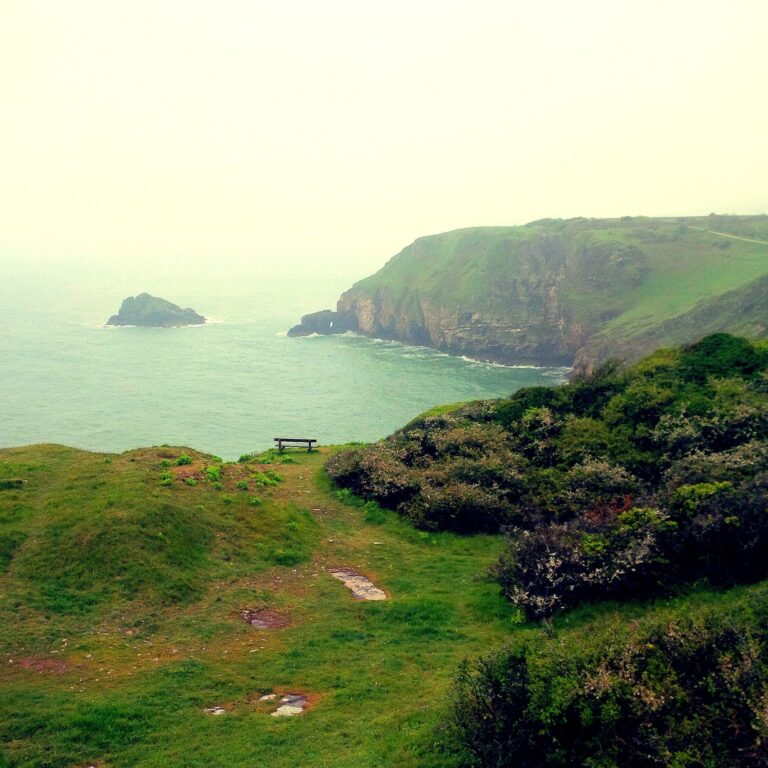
x=115, y=639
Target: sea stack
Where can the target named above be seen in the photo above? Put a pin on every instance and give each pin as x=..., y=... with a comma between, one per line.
x=151, y=311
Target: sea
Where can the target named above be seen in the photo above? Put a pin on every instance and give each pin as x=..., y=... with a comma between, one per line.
x=228, y=387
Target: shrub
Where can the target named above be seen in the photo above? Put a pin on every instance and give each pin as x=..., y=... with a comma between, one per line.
x=242, y=485
x=459, y=507
x=684, y=692
x=183, y=459
x=190, y=481
x=269, y=478
x=255, y=501
x=375, y=473
x=213, y=473
x=560, y=565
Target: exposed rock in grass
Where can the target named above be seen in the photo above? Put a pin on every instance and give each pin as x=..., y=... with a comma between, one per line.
x=291, y=704
x=361, y=586
x=215, y=710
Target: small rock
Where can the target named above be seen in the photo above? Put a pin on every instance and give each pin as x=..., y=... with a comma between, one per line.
x=268, y=697
x=215, y=710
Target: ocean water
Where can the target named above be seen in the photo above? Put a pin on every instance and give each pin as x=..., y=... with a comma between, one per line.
x=227, y=387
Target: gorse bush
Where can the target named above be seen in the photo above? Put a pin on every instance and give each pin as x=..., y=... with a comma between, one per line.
x=676, y=692
x=588, y=477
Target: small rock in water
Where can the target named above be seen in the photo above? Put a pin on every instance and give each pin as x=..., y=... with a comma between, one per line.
x=362, y=587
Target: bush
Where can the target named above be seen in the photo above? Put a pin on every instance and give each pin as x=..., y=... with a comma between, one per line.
x=183, y=459
x=690, y=691
x=242, y=485
x=213, y=473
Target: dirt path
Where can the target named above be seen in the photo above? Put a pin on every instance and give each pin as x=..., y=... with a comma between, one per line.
x=732, y=237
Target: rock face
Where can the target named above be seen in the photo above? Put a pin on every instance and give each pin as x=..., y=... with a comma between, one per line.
x=325, y=322
x=151, y=311
x=558, y=292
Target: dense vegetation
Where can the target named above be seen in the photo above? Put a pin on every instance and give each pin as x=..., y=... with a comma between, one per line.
x=624, y=483
x=675, y=690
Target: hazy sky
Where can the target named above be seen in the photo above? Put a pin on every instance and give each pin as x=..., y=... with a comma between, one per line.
x=337, y=132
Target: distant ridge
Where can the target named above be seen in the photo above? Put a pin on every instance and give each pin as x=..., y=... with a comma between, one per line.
x=565, y=292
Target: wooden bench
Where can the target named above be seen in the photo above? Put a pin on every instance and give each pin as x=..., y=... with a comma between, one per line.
x=281, y=441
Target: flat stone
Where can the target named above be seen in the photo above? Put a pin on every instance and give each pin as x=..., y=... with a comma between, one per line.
x=362, y=587
x=268, y=697
x=215, y=710
x=287, y=710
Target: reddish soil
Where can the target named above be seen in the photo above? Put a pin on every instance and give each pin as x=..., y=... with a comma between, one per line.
x=53, y=666
x=265, y=619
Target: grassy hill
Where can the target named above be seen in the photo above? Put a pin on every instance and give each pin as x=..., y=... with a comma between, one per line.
x=555, y=291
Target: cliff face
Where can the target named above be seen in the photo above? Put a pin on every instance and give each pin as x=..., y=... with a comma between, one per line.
x=556, y=292
x=534, y=331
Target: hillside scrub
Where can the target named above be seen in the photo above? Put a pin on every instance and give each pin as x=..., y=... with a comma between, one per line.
x=622, y=483
x=684, y=690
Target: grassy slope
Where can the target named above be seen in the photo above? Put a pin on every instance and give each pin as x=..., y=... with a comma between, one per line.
x=141, y=663
x=689, y=261
x=139, y=668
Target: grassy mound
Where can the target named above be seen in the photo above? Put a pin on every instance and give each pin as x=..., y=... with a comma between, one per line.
x=155, y=525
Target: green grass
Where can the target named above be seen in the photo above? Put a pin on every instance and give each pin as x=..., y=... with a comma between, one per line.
x=150, y=632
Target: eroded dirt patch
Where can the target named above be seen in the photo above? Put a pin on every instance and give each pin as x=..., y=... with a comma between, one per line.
x=51, y=666
x=361, y=586
x=265, y=619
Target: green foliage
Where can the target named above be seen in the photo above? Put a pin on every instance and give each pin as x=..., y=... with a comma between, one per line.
x=255, y=501
x=685, y=691
x=242, y=485
x=620, y=483
x=183, y=459
x=213, y=473
x=190, y=481
x=267, y=479
x=10, y=483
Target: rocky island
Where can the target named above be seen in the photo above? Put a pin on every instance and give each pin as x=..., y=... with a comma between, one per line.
x=564, y=292
x=151, y=311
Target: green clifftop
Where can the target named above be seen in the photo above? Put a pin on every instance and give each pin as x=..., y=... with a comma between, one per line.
x=565, y=292
x=152, y=311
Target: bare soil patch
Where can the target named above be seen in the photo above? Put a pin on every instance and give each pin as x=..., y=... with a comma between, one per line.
x=51, y=666
x=265, y=618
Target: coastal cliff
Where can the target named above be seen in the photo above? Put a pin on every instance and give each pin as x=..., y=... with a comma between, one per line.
x=558, y=292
